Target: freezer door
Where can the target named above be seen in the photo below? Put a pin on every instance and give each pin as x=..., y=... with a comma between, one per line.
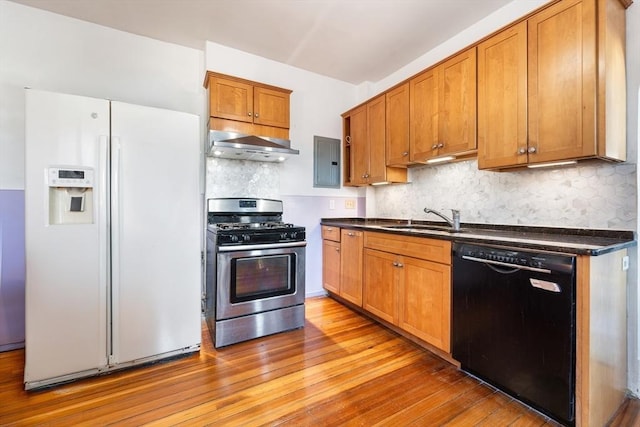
x=155, y=231
x=66, y=264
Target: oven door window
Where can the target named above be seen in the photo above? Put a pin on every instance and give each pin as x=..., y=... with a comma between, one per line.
x=262, y=277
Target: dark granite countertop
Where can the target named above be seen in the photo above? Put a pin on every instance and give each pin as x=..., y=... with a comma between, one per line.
x=577, y=241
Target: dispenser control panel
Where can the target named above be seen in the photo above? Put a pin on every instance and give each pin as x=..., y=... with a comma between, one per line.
x=70, y=177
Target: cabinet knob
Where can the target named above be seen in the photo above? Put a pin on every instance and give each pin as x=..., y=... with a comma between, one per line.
x=337, y=249
x=532, y=150
x=350, y=234
x=400, y=265
x=440, y=145
x=434, y=146
x=256, y=115
x=249, y=114
x=404, y=154
x=522, y=150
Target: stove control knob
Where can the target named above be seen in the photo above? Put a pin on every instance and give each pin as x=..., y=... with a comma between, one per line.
x=284, y=235
x=246, y=237
x=234, y=238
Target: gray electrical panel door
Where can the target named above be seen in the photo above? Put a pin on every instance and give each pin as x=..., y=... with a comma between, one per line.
x=326, y=162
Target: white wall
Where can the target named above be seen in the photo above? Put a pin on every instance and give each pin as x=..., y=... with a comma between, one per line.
x=46, y=51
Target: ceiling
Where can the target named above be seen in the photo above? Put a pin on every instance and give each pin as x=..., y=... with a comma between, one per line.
x=349, y=40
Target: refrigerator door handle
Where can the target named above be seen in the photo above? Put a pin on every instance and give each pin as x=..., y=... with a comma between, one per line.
x=115, y=243
x=103, y=220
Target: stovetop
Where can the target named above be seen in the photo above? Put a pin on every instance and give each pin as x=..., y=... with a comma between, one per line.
x=253, y=235
x=250, y=225
x=244, y=221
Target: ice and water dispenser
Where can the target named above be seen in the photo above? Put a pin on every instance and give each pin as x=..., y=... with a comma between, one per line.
x=70, y=195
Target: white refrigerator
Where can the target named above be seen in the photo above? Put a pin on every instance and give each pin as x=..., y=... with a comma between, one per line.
x=112, y=220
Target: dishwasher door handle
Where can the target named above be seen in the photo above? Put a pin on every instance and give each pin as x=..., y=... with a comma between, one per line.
x=506, y=264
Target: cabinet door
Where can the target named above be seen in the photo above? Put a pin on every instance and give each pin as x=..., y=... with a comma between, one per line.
x=231, y=100
x=271, y=107
x=457, y=104
x=425, y=301
x=397, y=126
x=423, y=115
x=502, y=99
x=351, y=266
x=376, y=111
x=359, y=146
x=331, y=266
x=562, y=82
x=380, y=287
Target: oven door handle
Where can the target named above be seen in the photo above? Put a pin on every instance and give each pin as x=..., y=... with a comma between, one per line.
x=235, y=248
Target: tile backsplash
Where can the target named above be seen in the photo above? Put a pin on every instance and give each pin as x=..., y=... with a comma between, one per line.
x=242, y=178
x=590, y=195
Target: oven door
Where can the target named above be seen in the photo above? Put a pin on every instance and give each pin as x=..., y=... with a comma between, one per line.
x=256, y=278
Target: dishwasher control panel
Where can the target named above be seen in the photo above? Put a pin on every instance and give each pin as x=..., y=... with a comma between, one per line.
x=523, y=258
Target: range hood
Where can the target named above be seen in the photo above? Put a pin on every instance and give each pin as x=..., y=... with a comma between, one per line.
x=233, y=145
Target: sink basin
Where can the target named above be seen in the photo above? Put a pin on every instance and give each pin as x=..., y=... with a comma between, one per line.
x=421, y=227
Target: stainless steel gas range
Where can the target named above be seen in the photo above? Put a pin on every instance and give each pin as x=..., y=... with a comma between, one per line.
x=255, y=282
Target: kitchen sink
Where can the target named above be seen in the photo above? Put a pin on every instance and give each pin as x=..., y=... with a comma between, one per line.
x=421, y=227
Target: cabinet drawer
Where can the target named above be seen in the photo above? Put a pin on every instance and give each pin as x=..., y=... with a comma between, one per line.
x=418, y=247
x=331, y=233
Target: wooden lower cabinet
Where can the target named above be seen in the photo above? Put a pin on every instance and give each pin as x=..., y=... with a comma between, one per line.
x=351, y=266
x=411, y=293
x=381, y=284
x=425, y=302
x=331, y=266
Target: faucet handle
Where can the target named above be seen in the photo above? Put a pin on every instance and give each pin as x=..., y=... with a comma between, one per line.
x=456, y=219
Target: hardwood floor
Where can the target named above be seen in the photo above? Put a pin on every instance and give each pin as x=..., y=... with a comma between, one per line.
x=340, y=369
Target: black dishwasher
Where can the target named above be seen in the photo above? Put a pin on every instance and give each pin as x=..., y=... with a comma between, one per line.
x=514, y=323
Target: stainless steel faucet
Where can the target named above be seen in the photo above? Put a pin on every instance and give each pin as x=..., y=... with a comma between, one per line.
x=453, y=222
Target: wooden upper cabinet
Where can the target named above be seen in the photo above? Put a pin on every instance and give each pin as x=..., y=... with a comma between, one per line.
x=365, y=146
x=376, y=111
x=359, y=145
x=271, y=107
x=443, y=109
x=230, y=100
x=397, y=123
x=569, y=58
x=562, y=82
x=423, y=115
x=247, y=107
x=457, y=115
x=502, y=99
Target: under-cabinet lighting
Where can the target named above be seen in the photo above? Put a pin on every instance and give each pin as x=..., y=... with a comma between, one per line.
x=552, y=164
x=440, y=159
x=281, y=159
x=217, y=153
x=380, y=183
